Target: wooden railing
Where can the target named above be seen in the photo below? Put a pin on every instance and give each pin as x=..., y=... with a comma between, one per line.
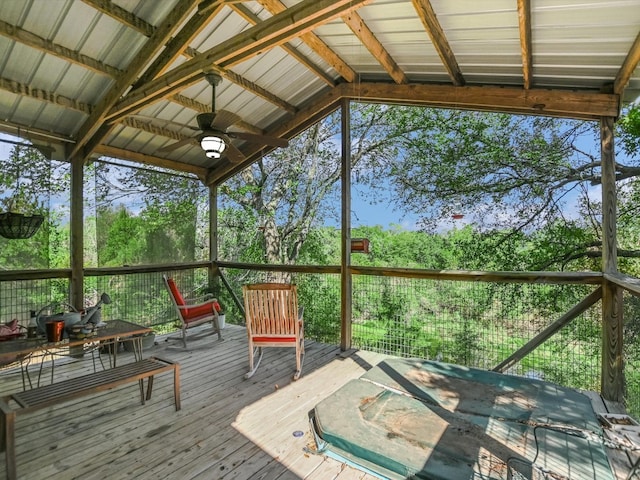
x=139, y=295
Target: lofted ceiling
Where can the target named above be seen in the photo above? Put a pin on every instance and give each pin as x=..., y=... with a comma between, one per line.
x=125, y=78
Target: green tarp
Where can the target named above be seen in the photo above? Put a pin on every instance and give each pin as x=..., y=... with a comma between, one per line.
x=427, y=420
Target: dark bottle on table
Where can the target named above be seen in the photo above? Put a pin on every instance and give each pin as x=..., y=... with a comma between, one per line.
x=32, y=328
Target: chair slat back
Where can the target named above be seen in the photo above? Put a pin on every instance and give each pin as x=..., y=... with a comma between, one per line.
x=271, y=309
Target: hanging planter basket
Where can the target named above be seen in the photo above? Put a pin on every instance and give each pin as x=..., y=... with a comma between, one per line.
x=17, y=225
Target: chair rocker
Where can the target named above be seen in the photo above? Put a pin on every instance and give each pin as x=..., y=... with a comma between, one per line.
x=190, y=312
x=273, y=320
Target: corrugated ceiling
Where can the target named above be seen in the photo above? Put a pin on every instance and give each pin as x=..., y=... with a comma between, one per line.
x=67, y=66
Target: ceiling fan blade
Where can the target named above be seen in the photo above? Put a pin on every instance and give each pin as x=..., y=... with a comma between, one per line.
x=261, y=139
x=233, y=154
x=224, y=119
x=178, y=144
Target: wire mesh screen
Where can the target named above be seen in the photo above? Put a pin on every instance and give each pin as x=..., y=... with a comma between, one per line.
x=479, y=324
x=632, y=353
x=142, y=298
x=144, y=217
x=19, y=297
x=30, y=184
x=319, y=294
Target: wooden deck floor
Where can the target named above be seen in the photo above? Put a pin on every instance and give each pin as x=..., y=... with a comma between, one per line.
x=228, y=428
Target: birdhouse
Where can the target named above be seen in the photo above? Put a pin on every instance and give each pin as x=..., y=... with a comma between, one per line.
x=360, y=245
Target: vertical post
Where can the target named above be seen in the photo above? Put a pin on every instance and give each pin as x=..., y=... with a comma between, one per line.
x=213, y=236
x=345, y=271
x=612, y=382
x=76, y=227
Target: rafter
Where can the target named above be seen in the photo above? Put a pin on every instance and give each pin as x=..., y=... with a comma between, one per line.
x=150, y=127
x=566, y=104
x=176, y=46
x=34, y=134
x=123, y=16
x=312, y=113
x=273, y=32
x=179, y=45
x=91, y=132
x=440, y=42
x=317, y=45
x=207, y=5
x=524, y=21
x=53, y=98
x=123, y=154
x=249, y=86
x=47, y=46
x=579, y=105
x=369, y=40
x=628, y=66
x=252, y=18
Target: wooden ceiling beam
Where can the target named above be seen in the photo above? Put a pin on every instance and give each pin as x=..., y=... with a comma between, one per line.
x=121, y=15
x=52, y=98
x=439, y=40
x=34, y=134
x=628, y=66
x=307, y=116
x=32, y=40
x=253, y=19
x=317, y=45
x=566, y=104
x=91, y=132
x=379, y=52
x=202, y=108
x=272, y=32
x=524, y=23
x=249, y=86
x=176, y=46
x=256, y=90
x=179, y=45
x=123, y=154
x=150, y=127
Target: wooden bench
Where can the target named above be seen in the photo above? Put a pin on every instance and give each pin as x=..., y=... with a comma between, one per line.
x=47, y=395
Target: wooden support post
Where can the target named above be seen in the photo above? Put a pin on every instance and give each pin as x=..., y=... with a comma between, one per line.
x=76, y=242
x=612, y=382
x=345, y=272
x=213, y=237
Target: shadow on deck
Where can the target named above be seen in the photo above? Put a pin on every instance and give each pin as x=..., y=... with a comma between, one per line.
x=228, y=428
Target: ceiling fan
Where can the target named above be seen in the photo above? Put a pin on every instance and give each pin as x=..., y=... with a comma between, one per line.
x=213, y=135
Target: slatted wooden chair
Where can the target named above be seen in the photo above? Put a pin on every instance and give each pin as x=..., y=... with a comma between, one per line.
x=192, y=313
x=273, y=320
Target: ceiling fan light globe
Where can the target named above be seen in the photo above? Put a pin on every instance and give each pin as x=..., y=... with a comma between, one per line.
x=213, y=146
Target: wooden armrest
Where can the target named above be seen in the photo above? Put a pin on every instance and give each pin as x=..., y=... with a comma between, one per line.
x=192, y=305
x=201, y=299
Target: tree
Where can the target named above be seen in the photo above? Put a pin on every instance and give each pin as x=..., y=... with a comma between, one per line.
x=167, y=225
x=511, y=174
x=28, y=182
x=291, y=190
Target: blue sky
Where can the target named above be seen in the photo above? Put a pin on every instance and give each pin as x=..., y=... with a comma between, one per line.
x=383, y=213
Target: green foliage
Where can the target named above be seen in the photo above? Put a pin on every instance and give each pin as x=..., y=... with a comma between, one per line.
x=629, y=130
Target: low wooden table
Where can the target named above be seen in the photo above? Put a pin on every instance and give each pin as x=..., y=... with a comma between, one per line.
x=113, y=332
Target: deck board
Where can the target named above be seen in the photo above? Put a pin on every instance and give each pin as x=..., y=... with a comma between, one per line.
x=228, y=428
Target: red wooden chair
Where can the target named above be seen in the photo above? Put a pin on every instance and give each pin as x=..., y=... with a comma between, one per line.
x=273, y=320
x=190, y=313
